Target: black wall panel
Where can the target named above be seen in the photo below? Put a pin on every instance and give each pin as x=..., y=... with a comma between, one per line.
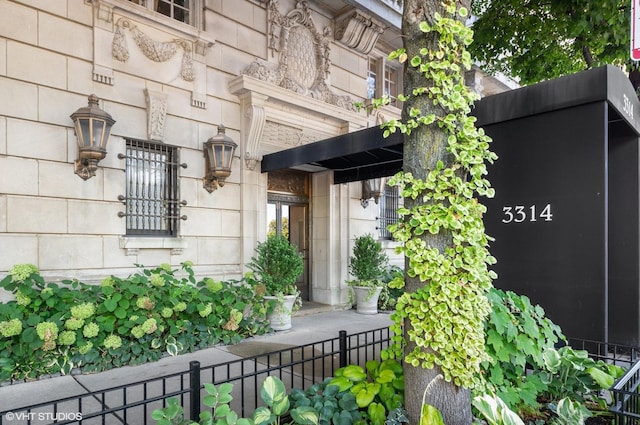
x=548, y=215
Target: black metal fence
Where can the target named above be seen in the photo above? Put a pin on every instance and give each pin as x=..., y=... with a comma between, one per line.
x=625, y=397
x=624, y=393
x=298, y=367
x=132, y=404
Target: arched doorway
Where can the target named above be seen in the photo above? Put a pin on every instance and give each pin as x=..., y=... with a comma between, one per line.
x=288, y=215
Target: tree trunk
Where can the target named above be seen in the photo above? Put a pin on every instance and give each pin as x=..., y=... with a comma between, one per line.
x=423, y=148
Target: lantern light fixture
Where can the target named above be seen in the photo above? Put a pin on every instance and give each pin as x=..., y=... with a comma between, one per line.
x=218, y=154
x=371, y=189
x=92, y=126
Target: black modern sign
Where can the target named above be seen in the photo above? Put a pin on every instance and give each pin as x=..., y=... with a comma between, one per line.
x=565, y=215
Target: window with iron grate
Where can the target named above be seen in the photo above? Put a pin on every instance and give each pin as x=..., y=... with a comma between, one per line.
x=388, y=204
x=152, y=192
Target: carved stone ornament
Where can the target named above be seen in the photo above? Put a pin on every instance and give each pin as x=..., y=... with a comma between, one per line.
x=358, y=31
x=156, y=113
x=157, y=51
x=303, y=56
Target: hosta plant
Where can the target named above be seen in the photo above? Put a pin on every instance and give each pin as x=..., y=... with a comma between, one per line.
x=272, y=392
x=378, y=388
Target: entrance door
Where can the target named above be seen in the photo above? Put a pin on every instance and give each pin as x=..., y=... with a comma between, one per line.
x=288, y=215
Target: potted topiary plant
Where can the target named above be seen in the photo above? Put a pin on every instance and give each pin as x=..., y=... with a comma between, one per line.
x=276, y=266
x=367, y=265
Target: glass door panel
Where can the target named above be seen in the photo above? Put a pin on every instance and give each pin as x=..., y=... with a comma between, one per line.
x=291, y=221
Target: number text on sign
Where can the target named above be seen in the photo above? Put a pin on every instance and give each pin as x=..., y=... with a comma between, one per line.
x=521, y=214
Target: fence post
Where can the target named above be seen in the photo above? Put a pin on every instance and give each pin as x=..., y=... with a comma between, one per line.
x=194, y=390
x=342, y=335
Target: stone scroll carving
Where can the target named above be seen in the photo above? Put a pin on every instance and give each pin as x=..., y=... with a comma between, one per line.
x=157, y=51
x=255, y=118
x=358, y=31
x=303, y=56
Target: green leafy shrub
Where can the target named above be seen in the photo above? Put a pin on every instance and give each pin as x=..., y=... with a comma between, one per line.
x=333, y=406
x=367, y=262
x=526, y=371
x=389, y=295
x=517, y=333
x=378, y=390
x=277, y=264
x=272, y=392
x=353, y=396
x=53, y=328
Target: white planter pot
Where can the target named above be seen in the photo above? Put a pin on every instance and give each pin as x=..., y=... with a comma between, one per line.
x=280, y=318
x=366, y=301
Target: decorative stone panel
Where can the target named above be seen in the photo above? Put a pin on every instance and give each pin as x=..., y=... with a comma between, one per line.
x=303, y=54
x=124, y=32
x=288, y=136
x=288, y=102
x=157, y=51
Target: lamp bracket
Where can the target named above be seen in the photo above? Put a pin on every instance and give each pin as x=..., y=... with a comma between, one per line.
x=86, y=168
x=210, y=184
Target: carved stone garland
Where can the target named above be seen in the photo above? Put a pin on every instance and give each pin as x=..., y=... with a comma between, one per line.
x=304, y=56
x=157, y=51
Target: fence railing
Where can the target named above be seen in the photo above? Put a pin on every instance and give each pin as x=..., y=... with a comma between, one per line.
x=133, y=403
x=298, y=367
x=624, y=393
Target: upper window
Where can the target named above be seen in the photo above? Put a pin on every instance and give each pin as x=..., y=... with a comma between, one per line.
x=152, y=192
x=383, y=79
x=388, y=203
x=180, y=10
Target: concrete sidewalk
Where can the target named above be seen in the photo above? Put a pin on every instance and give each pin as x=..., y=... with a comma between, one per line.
x=315, y=323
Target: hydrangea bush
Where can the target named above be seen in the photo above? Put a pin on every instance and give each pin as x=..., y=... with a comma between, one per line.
x=53, y=328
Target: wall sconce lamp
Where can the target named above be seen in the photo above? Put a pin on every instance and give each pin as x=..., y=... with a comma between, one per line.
x=92, y=126
x=371, y=188
x=218, y=154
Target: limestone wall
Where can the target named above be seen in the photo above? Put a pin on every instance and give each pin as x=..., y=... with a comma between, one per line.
x=53, y=54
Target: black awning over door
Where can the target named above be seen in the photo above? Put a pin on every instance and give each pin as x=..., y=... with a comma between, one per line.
x=359, y=155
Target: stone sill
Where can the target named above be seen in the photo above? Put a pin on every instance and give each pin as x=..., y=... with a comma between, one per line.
x=134, y=244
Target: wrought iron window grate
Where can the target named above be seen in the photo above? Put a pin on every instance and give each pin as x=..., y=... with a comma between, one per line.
x=388, y=210
x=152, y=192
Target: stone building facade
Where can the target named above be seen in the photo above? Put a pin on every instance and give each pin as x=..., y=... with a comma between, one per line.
x=275, y=74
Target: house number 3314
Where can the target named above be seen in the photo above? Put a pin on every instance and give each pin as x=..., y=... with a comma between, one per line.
x=521, y=213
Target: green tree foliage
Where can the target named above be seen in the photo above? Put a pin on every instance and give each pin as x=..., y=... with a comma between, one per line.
x=285, y=227
x=539, y=40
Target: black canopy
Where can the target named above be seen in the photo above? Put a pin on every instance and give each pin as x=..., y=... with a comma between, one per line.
x=359, y=155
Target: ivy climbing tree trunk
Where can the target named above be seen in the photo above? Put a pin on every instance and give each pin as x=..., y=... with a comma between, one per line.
x=441, y=314
x=423, y=148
